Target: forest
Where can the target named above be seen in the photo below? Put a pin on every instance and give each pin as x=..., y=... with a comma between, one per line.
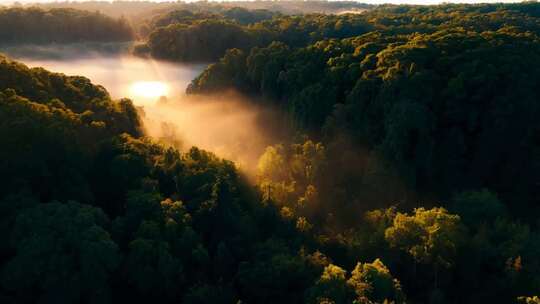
x=35, y=25
x=411, y=175
x=146, y=8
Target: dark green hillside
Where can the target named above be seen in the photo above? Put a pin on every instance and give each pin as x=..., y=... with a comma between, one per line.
x=412, y=175
x=451, y=109
x=92, y=211
x=35, y=25
x=422, y=106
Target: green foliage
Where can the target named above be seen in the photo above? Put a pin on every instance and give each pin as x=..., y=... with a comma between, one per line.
x=209, y=294
x=63, y=253
x=182, y=223
x=477, y=207
x=151, y=268
x=430, y=236
x=149, y=9
x=325, y=188
x=368, y=283
x=529, y=300
x=245, y=16
x=331, y=287
x=373, y=283
x=188, y=17
x=274, y=275
x=203, y=41
x=407, y=104
x=186, y=36
x=51, y=126
x=36, y=25
x=442, y=95
x=288, y=176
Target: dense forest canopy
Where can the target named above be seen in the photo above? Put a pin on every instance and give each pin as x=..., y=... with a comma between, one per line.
x=443, y=99
x=176, y=36
x=121, y=217
x=413, y=177
x=35, y=25
x=145, y=8
x=179, y=33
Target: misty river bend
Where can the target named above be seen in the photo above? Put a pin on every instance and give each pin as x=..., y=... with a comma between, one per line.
x=227, y=125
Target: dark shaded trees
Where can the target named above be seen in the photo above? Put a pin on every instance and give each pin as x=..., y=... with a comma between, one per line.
x=51, y=126
x=181, y=224
x=63, y=253
x=445, y=118
x=203, y=41
x=60, y=25
x=428, y=104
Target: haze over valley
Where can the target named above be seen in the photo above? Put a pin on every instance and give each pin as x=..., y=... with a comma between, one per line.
x=228, y=124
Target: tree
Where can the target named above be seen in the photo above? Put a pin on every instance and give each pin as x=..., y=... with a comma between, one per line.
x=274, y=274
x=37, y=25
x=529, y=300
x=331, y=287
x=152, y=269
x=209, y=294
x=373, y=283
x=429, y=236
x=289, y=176
x=63, y=254
x=478, y=207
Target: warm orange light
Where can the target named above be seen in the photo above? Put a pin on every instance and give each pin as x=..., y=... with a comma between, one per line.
x=148, y=89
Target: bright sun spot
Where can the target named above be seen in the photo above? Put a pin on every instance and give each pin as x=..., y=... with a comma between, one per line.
x=149, y=89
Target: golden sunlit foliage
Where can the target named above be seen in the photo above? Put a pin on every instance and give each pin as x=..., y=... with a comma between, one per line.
x=429, y=235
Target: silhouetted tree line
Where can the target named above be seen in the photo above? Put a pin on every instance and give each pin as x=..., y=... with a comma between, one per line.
x=35, y=25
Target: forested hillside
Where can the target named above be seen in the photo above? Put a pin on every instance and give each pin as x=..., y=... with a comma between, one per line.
x=413, y=177
x=176, y=34
x=445, y=101
x=143, y=9
x=93, y=212
x=412, y=106
x=35, y=25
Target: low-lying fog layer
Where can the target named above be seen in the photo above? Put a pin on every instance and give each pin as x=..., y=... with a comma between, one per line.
x=143, y=80
x=227, y=125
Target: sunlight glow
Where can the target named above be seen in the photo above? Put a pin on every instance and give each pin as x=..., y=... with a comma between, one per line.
x=148, y=89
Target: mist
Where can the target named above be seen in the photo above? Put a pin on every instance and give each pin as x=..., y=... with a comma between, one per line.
x=111, y=66
x=227, y=124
